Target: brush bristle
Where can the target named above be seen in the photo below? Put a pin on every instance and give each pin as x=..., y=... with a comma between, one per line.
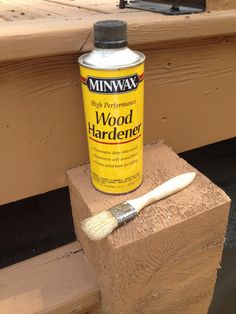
x=99, y=226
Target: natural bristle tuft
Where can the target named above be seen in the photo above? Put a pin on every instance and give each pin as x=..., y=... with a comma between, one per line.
x=99, y=226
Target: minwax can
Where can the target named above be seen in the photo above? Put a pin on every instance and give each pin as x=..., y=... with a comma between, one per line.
x=112, y=77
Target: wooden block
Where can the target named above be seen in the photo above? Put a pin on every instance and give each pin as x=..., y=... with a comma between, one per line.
x=165, y=260
x=57, y=282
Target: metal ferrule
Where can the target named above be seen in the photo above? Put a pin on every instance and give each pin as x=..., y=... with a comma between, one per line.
x=123, y=212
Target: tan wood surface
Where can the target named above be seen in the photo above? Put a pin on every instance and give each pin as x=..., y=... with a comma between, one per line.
x=69, y=36
x=189, y=102
x=219, y=5
x=165, y=260
x=50, y=27
x=57, y=282
x=98, y=6
x=190, y=75
x=39, y=10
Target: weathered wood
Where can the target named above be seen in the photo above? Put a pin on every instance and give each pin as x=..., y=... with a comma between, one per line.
x=26, y=10
x=187, y=95
x=66, y=9
x=102, y=6
x=57, y=282
x=42, y=117
x=40, y=10
x=165, y=260
x=189, y=91
x=60, y=36
x=220, y=5
x=41, y=125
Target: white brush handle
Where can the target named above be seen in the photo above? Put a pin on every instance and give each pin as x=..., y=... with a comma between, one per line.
x=166, y=189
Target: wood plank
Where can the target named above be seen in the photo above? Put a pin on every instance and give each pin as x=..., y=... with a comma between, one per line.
x=62, y=37
x=110, y=6
x=220, y=5
x=189, y=95
x=38, y=10
x=45, y=107
x=18, y=10
x=189, y=91
x=99, y=6
x=167, y=257
x=61, y=11
x=59, y=281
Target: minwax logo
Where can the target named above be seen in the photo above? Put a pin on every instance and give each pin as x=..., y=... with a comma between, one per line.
x=112, y=85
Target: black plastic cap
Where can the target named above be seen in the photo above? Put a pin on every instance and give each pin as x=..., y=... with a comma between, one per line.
x=110, y=34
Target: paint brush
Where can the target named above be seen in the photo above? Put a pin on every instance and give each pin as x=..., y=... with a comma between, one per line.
x=101, y=225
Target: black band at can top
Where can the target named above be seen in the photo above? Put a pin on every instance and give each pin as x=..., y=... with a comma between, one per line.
x=110, y=34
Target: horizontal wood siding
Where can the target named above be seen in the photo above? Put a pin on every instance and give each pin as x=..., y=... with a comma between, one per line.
x=189, y=102
x=189, y=93
x=58, y=282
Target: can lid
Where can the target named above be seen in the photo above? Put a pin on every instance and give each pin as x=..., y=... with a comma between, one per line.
x=110, y=34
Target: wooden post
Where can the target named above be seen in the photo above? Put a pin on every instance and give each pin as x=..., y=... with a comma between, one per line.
x=165, y=260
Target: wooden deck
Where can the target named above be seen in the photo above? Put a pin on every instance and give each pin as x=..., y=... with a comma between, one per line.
x=49, y=27
x=190, y=84
x=15, y=10
x=56, y=282
x=190, y=63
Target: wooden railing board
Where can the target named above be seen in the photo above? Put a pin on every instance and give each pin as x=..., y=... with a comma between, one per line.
x=57, y=282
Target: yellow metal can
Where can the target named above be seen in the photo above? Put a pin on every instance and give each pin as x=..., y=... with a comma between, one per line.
x=113, y=105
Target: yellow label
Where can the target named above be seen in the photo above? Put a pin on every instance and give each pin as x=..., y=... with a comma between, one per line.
x=113, y=104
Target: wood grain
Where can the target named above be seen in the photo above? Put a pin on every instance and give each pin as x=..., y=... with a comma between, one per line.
x=15, y=10
x=25, y=10
x=189, y=102
x=19, y=10
x=190, y=90
x=220, y=5
x=66, y=35
x=165, y=260
x=58, y=282
x=101, y=6
x=41, y=123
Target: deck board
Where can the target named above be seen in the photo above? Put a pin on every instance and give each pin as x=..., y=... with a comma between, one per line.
x=15, y=10
x=102, y=6
x=23, y=10
x=59, y=281
x=55, y=27
x=42, y=118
